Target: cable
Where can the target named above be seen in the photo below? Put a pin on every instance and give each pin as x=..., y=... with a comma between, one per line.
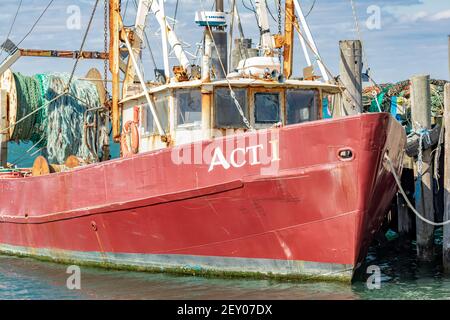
x=36, y=22
x=13, y=22
x=311, y=9
x=175, y=16
x=82, y=43
x=32, y=27
x=402, y=191
x=232, y=94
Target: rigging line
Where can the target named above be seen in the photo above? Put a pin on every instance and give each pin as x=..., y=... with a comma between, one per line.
x=359, y=34
x=270, y=11
x=25, y=154
x=125, y=11
x=4, y=130
x=36, y=22
x=175, y=16
x=82, y=44
x=311, y=9
x=150, y=50
x=66, y=90
x=13, y=22
x=319, y=58
x=152, y=57
x=32, y=27
x=248, y=8
x=233, y=95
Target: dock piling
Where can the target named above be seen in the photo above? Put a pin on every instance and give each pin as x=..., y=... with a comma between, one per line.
x=421, y=118
x=446, y=239
x=350, y=70
x=3, y=125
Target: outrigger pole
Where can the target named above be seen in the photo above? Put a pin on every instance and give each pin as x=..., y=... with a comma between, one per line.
x=18, y=53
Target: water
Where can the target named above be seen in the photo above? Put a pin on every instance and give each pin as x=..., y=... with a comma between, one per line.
x=402, y=278
x=17, y=153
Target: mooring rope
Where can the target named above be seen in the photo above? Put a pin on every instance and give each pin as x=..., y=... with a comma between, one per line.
x=402, y=191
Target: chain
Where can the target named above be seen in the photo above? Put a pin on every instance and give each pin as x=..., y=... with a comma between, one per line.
x=279, y=27
x=105, y=63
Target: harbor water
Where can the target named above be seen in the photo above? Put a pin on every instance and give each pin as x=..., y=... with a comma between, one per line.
x=401, y=278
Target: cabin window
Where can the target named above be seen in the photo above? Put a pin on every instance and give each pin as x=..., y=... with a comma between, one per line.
x=225, y=109
x=149, y=125
x=267, y=107
x=162, y=110
x=189, y=107
x=161, y=104
x=301, y=105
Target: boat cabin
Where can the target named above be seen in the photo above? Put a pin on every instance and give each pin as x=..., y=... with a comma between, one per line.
x=192, y=111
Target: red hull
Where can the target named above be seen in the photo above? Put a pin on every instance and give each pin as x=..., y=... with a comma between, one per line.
x=314, y=214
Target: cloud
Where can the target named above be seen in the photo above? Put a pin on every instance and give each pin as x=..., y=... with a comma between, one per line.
x=440, y=16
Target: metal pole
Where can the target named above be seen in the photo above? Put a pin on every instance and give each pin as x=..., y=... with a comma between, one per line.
x=289, y=38
x=311, y=41
x=219, y=5
x=421, y=120
x=164, y=42
x=144, y=88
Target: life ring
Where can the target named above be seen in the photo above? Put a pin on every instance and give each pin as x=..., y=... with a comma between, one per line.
x=130, y=128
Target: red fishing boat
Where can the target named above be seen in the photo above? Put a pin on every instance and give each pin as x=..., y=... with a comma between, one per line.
x=240, y=175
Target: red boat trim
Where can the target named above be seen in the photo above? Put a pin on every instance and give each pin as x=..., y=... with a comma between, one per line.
x=117, y=207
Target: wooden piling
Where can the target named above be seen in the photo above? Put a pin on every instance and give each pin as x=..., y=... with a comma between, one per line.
x=421, y=118
x=403, y=217
x=446, y=239
x=4, y=134
x=350, y=69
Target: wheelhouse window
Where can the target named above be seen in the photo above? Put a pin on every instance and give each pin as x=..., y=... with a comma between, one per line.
x=149, y=125
x=301, y=105
x=189, y=107
x=161, y=104
x=267, y=107
x=225, y=110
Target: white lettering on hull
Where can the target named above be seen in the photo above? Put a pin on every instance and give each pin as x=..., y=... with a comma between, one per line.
x=219, y=159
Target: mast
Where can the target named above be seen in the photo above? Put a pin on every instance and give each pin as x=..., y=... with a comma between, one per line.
x=114, y=42
x=219, y=56
x=163, y=23
x=266, y=37
x=288, y=39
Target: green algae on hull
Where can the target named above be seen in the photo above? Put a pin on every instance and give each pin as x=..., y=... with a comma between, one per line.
x=186, y=271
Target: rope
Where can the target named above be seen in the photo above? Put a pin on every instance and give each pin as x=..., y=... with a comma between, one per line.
x=83, y=42
x=402, y=191
x=233, y=95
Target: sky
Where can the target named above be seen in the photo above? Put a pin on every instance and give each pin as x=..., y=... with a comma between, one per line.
x=401, y=38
